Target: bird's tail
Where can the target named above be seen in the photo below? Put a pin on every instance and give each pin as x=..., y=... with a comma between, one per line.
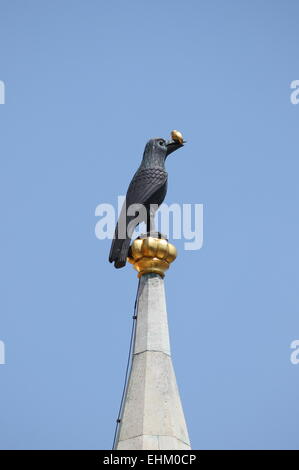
x=119, y=250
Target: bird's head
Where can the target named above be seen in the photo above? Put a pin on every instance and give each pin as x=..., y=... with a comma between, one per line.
x=162, y=148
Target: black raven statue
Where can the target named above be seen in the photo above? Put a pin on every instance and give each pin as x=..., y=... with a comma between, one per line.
x=147, y=188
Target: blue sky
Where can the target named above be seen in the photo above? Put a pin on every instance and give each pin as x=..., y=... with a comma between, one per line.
x=87, y=84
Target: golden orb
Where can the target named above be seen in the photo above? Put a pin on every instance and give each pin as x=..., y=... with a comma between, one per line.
x=151, y=255
x=177, y=136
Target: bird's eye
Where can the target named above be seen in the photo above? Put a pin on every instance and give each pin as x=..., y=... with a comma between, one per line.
x=161, y=142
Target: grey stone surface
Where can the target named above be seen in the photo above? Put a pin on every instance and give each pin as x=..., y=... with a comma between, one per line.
x=152, y=416
x=152, y=326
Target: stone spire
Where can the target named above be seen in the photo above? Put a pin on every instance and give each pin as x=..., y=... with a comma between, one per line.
x=152, y=416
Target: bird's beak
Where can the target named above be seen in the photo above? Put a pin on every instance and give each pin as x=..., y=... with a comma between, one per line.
x=173, y=145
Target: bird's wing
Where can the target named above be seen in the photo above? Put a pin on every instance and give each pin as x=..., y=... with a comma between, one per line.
x=144, y=184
